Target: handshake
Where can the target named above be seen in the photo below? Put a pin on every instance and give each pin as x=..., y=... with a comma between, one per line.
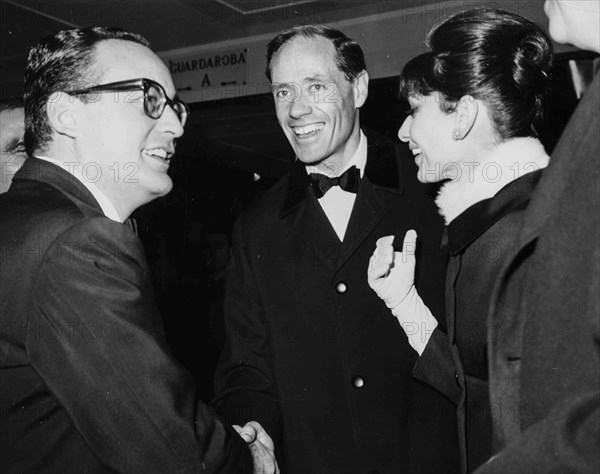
x=261, y=446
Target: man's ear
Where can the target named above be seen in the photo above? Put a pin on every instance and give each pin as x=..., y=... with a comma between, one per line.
x=361, y=88
x=62, y=113
x=466, y=112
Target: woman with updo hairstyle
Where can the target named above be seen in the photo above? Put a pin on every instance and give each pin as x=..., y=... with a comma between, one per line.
x=474, y=99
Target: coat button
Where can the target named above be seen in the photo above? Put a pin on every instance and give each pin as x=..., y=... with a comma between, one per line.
x=358, y=382
x=341, y=287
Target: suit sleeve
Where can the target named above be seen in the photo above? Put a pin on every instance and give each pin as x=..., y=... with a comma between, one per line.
x=106, y=360
x=244, y=383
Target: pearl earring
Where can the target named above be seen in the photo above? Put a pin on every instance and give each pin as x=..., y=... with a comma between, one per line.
x=455, y=134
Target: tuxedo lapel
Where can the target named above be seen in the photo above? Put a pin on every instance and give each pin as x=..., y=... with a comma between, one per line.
x=310, y=228
x=382, y=176
x=309, y=223
x=368, y=210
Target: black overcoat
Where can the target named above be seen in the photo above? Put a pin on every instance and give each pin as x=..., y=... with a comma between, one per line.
x=312, y=353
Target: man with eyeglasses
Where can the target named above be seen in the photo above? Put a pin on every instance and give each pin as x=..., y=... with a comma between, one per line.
x=87, y=383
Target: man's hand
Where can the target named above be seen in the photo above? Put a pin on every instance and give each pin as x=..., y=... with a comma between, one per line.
x=261, y=446
x=392, y=274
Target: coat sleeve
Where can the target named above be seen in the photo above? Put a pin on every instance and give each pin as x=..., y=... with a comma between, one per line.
x=436, y=368
x=103, y=355
x=244, y=382
x=567, y=436
x=566, y=440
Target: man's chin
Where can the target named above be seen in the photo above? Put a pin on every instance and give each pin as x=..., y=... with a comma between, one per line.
x=163, y=188
x=310, y=158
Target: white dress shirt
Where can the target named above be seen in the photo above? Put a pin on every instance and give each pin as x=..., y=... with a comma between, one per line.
x=337, y=203
x=74, y=168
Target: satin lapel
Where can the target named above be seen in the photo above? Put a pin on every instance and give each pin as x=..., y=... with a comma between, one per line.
x=310, y=228
x=369, y=208
x=309, y=222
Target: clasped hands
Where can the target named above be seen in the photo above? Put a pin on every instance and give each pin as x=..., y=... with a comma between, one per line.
x=392, y=276
x=261, y=446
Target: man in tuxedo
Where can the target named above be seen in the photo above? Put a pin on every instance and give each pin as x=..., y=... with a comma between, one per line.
x=12, y=148
x=544, y=326
x=311, y=352
x=88, y=384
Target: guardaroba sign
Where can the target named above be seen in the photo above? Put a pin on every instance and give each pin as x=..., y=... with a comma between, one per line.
x=209, y=72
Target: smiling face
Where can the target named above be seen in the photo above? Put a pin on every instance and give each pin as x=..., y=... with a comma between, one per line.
x=428, y=132
x=316, y=106
x=12, y=150
x=125, y=152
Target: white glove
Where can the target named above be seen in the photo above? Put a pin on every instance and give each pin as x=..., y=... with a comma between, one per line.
x=392, y=276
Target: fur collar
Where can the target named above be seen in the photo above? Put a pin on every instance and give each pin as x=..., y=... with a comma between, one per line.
x=483, y=179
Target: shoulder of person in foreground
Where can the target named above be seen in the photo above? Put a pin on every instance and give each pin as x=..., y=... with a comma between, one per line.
x=95, y=294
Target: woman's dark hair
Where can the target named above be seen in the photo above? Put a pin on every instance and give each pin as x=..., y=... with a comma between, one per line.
x=60, y=63
x=493, y=55
x=349, y=55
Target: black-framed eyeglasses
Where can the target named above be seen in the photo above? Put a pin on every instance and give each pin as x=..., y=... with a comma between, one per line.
x=155, y=97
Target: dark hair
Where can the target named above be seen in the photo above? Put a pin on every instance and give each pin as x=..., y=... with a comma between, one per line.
x=62, y=62
x=493, y=55
x=11, y=103
x=350, y=58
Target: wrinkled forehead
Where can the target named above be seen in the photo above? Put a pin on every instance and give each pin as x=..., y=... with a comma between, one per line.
x=119, y=60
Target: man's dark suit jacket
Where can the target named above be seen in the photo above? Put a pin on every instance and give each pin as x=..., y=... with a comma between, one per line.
x=87, y=384
x=544, y=329
x=312, y=352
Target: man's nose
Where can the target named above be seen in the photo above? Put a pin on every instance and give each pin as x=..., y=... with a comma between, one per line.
x=300, y=105
x=170, y=122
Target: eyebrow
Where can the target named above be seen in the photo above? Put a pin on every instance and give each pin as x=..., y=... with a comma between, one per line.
x=279, y=85
x=306, y=80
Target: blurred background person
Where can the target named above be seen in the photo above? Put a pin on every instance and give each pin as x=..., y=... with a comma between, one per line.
x=474, y=98
x=545, y=322
x=216, y=252
x=12, y=147
x=194, y=301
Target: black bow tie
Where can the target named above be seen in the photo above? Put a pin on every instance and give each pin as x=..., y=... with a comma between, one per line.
x=348, y=181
